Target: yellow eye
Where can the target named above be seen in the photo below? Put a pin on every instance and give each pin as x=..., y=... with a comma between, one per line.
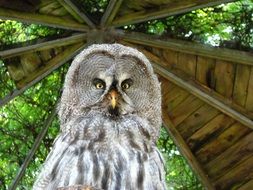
x=99, y=85
x=125, y=86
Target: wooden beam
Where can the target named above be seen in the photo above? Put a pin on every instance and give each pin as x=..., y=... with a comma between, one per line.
x=80, y=13
x=203, y=94
x=174, y=8
x=52, y=21
x=71, y=11
x=33, y=150
x=185, y=151
x=44, y=45
x=234, y=56
x=110, y=12
x=53, y=64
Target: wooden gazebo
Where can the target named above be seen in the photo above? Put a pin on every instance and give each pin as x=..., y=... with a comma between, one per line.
x=207, y=91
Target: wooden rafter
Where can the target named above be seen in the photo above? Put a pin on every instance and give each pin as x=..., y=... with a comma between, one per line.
x=44, y=45
x=174, y=8
x=110, y=12
x=203, y=94
x=185, y=151
x=71, y=11
x=78, y=12
x=187, y=47
x=53, y=21
x=53, y=64
x=33, y=150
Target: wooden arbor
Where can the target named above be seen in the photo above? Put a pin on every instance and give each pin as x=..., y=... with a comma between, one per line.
x=207, y=92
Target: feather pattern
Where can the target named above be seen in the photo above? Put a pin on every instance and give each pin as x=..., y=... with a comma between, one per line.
x=100, y=148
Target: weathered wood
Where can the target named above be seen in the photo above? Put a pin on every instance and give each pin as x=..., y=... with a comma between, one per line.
x=53, y=8
x=185, y=151
x=166, y=86
x=224, y=78
x=249, y=100
x=210, y=131
x=222, y=142
x=238, y=57
x=241, y=84
x=205, y=95
x=173, y=8
x=184, y=109
x=53, y=21
x=71, y=11
x=236, y=154
x=110, y=13
x=170, y=57
x=187, y=63
x=44, y=45
x=174, y=98
x=62, y=57
x=80, y=13
x=236, y=176
x=205, y=71
x=247, y=186
x=34, y=148
x=17, y=92
x=30, y=62
x=197, y=120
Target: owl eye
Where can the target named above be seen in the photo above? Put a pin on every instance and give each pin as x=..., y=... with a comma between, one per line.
x=99, y=84
x=126, y=84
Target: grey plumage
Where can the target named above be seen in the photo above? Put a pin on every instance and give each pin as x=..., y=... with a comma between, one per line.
x=101, y=145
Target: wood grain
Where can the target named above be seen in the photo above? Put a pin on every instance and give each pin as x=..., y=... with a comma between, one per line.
x=236, y=154
x=241, y=84
x=197, y=120
x=210, y=131
x=224, y=78
x=222, y=142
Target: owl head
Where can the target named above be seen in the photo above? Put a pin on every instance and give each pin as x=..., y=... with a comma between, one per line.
x=113, y=80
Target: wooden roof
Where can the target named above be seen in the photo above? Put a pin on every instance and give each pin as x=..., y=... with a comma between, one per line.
x=207, y=92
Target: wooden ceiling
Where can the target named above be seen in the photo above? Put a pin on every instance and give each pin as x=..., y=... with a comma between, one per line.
x=207, y=92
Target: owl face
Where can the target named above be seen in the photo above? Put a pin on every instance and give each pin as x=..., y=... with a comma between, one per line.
x=113, y=80
x=115, y=86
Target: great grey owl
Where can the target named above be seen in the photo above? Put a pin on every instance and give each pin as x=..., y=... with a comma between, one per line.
x=110, y=114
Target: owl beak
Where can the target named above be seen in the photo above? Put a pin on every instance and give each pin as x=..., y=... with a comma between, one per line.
x=113, y=95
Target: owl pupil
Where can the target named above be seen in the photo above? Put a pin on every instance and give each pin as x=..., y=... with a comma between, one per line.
x=98, y=83
x=126, y=84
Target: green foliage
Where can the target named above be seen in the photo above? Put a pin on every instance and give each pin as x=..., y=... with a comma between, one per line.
x=20, y=123
x=12, y=32
x=179, y=175
x=228, y=25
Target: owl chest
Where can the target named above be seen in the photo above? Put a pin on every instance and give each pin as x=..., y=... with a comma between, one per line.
x=112, y=166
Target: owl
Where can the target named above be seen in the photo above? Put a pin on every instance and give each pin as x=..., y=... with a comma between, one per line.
x=110, y=115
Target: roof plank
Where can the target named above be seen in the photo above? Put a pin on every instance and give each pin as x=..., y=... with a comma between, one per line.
x=185, y=150
x=44, y=45
x=79, y=12
x=174, y=8
x=53, y=21
x=110, y=12
x=235, y=56
x=53, y=64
